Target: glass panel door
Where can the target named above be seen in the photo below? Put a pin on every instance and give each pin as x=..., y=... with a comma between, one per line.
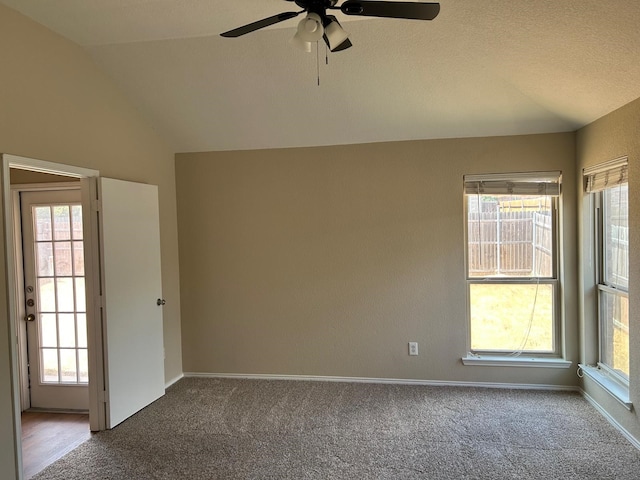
x=55, y=299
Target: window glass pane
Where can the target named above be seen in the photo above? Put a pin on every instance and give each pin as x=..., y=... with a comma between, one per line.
x=44, y=252
x=46, y=294
x=510, y=236
x=63, y=259
x=65, y=294
x=48, y=330
x=512, y=317
x=49, y=370
x=67, y=326
x=81, y=300
x=78, y=258
x=42, y=223
x=616, y=236
x=76, y=219
x=68, y=365
x=61, y=225
x=82, y=330
x=614, y=311
x=83, y=366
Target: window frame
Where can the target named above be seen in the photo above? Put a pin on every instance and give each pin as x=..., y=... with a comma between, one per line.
x=602, y=286
x=553, y=280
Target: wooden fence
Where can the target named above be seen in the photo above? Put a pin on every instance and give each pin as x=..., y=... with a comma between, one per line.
x=510, y=243
x=617, y=256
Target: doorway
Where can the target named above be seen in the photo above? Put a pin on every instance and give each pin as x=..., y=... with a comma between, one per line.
x=54, y=379
x=122, y=277
x=26, y=176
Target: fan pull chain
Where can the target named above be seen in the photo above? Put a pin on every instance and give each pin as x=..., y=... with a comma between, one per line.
x=326, y=59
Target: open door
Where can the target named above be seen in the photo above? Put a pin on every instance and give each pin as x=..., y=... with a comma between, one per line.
x=132, y=297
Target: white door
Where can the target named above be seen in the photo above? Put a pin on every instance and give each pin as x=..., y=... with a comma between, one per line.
x=132, y=289
x=55, y=303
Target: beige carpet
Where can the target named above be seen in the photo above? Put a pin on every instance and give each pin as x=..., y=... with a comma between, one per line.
x=257, y=429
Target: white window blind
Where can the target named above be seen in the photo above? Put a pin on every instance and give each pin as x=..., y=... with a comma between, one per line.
x=605, y=175
x=534, y=183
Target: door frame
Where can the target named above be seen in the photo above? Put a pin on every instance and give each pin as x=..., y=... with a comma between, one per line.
x=88, y=187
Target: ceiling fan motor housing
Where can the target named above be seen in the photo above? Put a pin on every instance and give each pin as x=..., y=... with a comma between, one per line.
x=316, y=6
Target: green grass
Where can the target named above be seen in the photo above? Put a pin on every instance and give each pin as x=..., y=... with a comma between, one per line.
x=500, y=317
x=621, y=351
x=510, y=317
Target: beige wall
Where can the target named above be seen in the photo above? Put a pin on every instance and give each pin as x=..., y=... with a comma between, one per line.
x=614, y=136
x=57, y=106
x=18, y=176
x=327, y=261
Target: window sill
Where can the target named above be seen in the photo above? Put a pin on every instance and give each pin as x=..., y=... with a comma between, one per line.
x=499, y=361
x=611, y=386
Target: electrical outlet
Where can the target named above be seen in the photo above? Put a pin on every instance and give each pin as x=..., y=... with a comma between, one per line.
x=413, y=348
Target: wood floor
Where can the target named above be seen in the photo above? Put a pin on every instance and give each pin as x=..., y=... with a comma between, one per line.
x=47, y=437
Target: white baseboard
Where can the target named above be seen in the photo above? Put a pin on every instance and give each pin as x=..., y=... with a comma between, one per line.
x=173, y=380
x=395, y=381
x=633, y=440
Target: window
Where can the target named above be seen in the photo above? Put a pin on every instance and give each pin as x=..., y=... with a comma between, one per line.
x=512, y=262
x=57, y=271
x=608, y=184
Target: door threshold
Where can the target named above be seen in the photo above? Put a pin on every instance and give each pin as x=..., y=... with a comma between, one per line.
x=57, y=410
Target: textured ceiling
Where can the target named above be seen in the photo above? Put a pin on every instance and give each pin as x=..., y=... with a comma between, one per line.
x=483, y=67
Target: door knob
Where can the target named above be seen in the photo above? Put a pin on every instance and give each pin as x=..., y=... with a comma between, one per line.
x=161, y=301
x=30, y=318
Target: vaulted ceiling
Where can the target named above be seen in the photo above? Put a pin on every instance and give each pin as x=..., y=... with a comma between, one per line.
x=482, y=67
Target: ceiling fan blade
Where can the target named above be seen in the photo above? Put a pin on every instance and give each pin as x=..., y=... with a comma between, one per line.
x=265, y=22
x=411, y=10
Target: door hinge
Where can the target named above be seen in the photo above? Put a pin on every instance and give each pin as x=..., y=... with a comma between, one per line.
x=102, y=396
x=96, y=205
x=99, y=302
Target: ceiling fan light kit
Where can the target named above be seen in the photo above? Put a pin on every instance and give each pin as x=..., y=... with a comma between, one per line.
x=317, y=24
x=301, y=44
x=310, y=28
x=336, y=36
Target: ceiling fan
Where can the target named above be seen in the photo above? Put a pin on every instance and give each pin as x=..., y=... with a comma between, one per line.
x=317, y=24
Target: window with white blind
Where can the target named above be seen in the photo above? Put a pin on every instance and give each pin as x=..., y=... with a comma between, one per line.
x=511, y=258
x=609, y=186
